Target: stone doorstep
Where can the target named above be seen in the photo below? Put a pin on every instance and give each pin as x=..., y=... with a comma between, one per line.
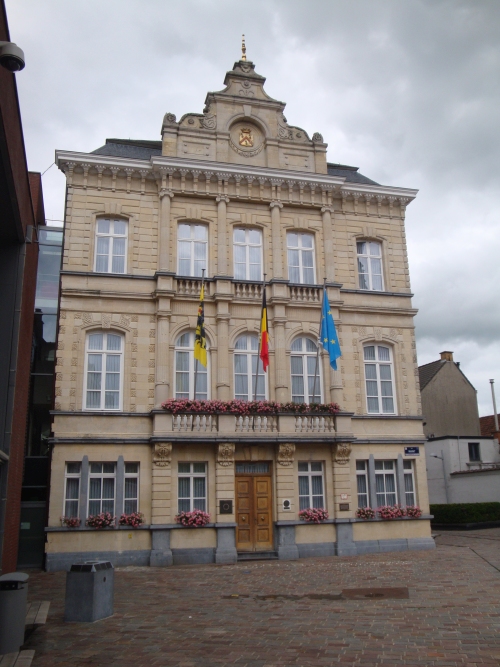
x=17, y=659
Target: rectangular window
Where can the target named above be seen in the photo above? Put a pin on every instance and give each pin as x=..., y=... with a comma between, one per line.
x=102, y=488
x=192, y=488
x=385, y=483
x=311, y=485
x=301, y=258
x=111, y=246
x=379, y=379
x=409, y=483
x=192, y=244
x=362, y=483
x=247, y=251
x=131, y=488
x=72, y=489
x=370, y=265
x=474, y=453
x=104, y=370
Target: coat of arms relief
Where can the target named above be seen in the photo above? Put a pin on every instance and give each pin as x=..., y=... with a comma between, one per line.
x=246, y=137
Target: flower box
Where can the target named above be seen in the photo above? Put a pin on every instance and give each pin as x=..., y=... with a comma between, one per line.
x=239, y=407
x=313, y=515
x=365, y=513
x=134, y=520
x=194, y=519
x=99, y=521
x=70, y=521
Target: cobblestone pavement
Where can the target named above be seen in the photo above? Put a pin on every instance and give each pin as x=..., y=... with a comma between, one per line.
x=279, y=614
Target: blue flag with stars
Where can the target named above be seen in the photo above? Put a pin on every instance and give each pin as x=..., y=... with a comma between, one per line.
x=328, y=334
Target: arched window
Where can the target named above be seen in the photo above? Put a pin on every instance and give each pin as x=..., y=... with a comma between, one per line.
x=192, y=242
x=304, y=362
x=247, y=251
x=104, y=371
x=370, y=265
x=246, y=354
x=379, y=376
x=111, y=246
x=186, y=367
x=300, y=258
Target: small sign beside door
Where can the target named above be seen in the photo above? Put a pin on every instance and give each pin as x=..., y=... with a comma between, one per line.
x=226, y=507
x=287, y=506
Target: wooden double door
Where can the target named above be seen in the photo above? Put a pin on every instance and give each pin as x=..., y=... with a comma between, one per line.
x=254, y=514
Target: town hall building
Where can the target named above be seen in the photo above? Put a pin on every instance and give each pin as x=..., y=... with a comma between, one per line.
x=236, y=194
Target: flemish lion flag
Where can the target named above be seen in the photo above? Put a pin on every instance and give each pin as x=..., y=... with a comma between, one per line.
x=200, y=342
x=264, y=334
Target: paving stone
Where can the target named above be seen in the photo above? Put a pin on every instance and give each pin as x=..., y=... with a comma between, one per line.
x=287, y=613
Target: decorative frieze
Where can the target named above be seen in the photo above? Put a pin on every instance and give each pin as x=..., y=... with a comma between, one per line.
x=341, y=453
x=225, y=454
x=286, y=454
x=162, y=454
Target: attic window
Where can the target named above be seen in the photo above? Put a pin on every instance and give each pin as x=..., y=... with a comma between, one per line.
x=474, y=453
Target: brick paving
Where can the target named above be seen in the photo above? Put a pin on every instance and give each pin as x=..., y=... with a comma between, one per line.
x=279, y=614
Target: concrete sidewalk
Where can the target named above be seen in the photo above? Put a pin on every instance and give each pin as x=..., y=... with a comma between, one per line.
x=270, y=614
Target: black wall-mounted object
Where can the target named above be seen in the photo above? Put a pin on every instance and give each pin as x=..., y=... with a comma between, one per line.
x=226, y=507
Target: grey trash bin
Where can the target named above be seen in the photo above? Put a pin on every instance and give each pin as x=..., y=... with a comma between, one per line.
x=89, y=591
x=13, y=601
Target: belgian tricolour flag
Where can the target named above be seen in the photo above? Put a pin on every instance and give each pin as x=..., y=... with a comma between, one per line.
x=200, y=341
x=264, y=333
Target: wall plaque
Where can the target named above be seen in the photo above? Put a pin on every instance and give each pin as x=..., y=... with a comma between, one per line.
x=226, y=507
x=344, y=507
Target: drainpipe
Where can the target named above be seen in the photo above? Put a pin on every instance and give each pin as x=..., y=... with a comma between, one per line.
x=495, y=416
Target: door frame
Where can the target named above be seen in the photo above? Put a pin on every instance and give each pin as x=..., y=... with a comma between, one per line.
x=268, y=474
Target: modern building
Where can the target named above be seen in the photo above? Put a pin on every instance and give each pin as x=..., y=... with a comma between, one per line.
x=21, y=211
x=239, y=192
x=35, y=485
x=462, y=465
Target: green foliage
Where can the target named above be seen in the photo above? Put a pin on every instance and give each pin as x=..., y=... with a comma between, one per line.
x=465, y=513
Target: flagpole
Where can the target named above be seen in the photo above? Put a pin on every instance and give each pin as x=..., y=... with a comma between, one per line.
x=260, y=346
x=195, y=360
x=319, y=336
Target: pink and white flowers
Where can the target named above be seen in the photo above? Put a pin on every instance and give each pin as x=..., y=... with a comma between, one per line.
x=239, y=407
x=413, y=512
x=134, y=520
x=70, y=521
x=194, y=519
x=389, y=512
x=313, y=515
x=102, y=520
x=365, y=513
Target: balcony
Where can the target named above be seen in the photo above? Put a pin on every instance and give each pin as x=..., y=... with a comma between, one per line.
x=275, y=427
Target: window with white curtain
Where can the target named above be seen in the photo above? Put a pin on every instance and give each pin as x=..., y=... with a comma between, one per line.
x=185, y=366
x=103, y=372
x=362, y=483
x=111, y=246
x=246, y=355
x=72, y=489
x=192, y=487
x=370, y=265
x=305, y=368
x=247, y=254
x=385, y=483
x=301, y=258
x=311, y=485
x=409, y=475
x=131, y=488
x=102, y=478
x=192, y=243
x=379, y=379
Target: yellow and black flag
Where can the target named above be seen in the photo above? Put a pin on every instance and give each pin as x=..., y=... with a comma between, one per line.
x=200, y=341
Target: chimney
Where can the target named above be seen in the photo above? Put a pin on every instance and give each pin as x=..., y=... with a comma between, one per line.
x=446, y=356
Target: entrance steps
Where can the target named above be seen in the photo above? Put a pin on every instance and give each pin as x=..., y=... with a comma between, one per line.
x=250, y=556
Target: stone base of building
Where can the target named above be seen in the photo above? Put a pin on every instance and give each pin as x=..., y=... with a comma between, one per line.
x=223, y=551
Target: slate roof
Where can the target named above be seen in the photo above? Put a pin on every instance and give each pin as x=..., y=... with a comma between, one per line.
x=129, y=148
x=428, y=371
x=143, y=150
x=487, y=425
x=350, y=174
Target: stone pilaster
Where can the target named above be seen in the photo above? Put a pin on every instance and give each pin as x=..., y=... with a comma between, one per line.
x=161, y=495
x=275, y=207
x=223, y=370
x=224, y=480
x=285, y=481
x=342, y=483
x=222, y=263
x=164, y=253
x=162, y=381
x=326, y=214
x=281, y=371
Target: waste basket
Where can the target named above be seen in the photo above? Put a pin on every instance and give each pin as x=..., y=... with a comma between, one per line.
x=13, y=601
x=89, y=591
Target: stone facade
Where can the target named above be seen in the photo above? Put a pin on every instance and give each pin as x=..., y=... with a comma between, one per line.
x=237, y=166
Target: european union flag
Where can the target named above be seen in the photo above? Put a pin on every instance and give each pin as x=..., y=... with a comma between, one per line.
x=328, y=333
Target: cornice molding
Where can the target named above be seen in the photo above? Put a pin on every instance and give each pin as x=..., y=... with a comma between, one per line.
x=160, y=165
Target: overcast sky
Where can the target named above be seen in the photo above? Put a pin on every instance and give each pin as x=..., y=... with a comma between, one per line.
x=409, y=92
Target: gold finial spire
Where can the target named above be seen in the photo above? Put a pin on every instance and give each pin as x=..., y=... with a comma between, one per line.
x=243, y=48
